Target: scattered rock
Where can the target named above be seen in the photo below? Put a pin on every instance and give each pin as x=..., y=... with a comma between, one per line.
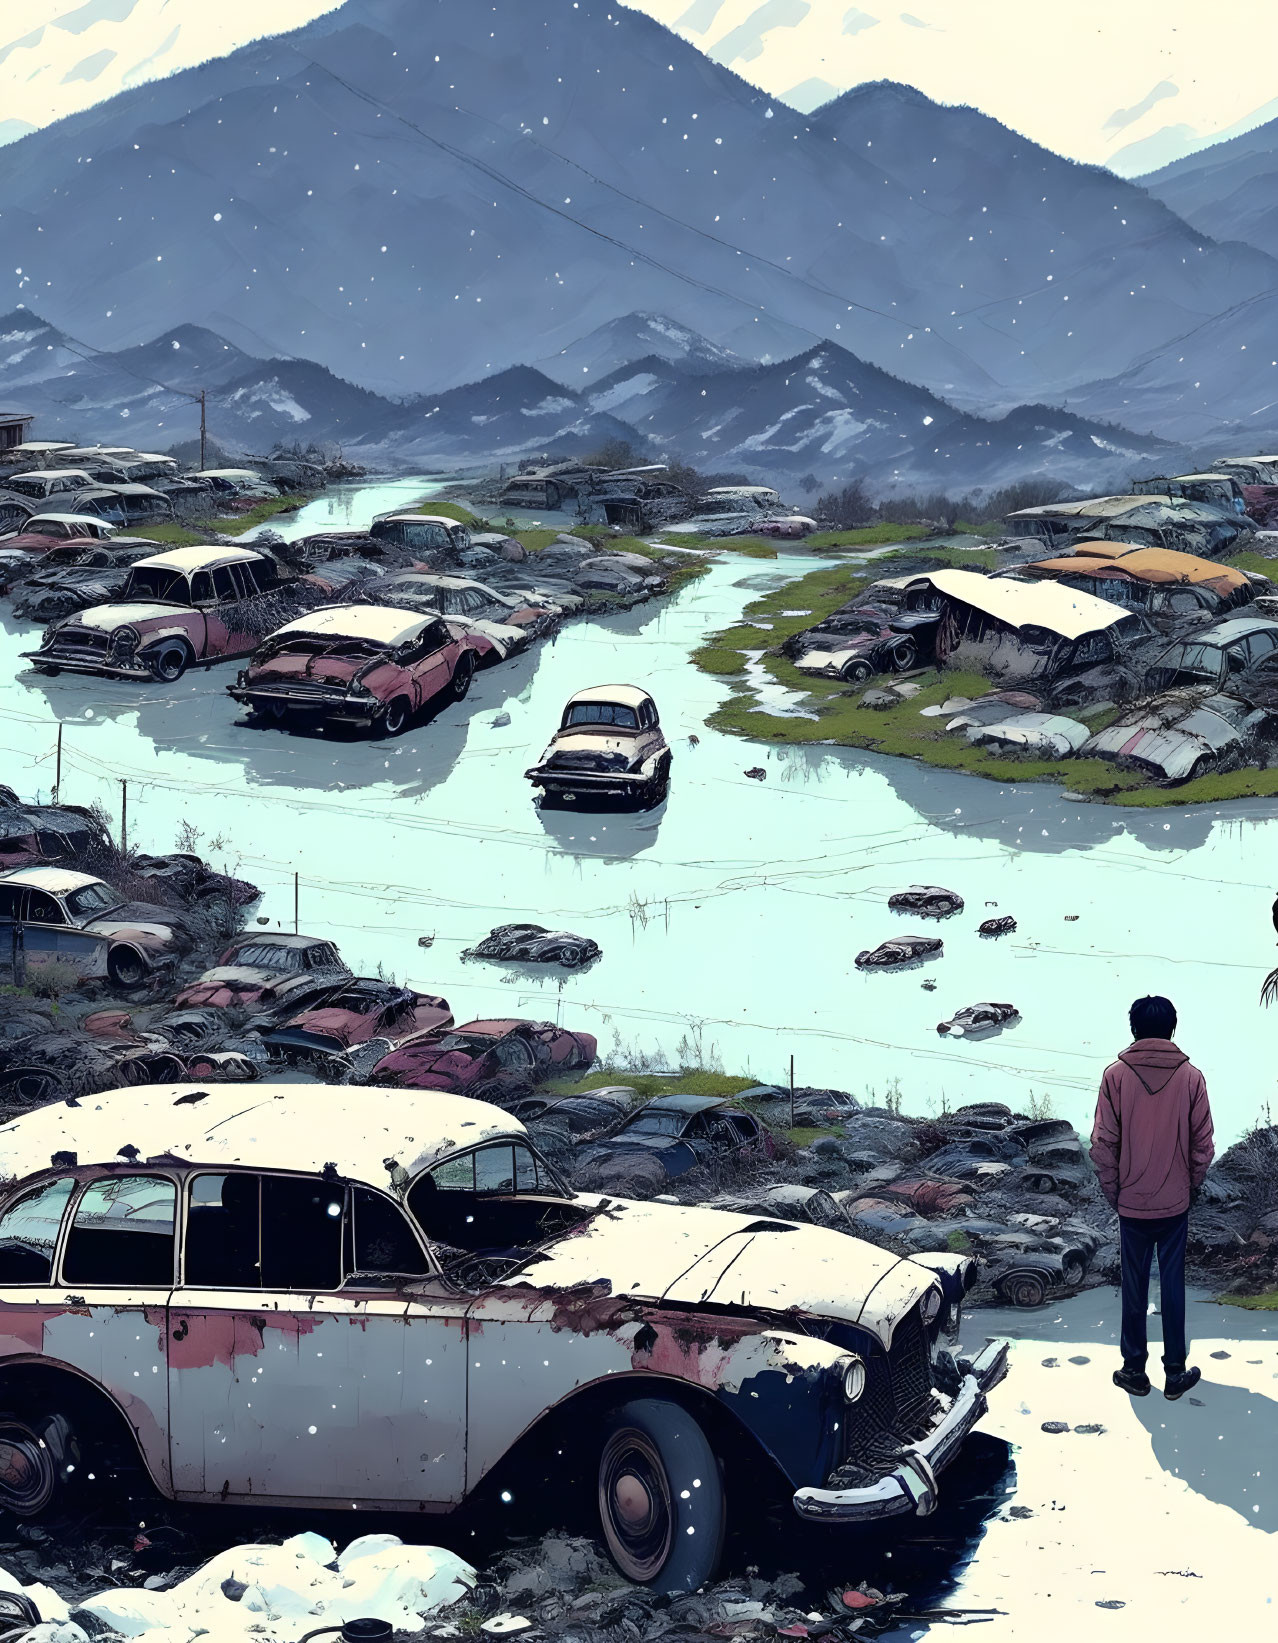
x=1055, y=1426
x=1090, y=1430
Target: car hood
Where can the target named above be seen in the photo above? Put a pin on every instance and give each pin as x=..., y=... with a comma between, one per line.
x=693, y=1256
x=443, y=1068
x=107, y=617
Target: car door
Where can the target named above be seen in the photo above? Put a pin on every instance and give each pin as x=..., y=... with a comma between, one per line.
x=105, y=1317
x=223, y=615
x=306, y=1364
x=431, y=666
x=49, y=937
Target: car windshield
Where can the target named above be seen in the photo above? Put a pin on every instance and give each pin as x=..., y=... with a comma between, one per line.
x=91, y=899
x=356, y=1003
x=264, y=955
x=155, y=582
x=657, y=1123
x=1191, y=658
x=28, y=487
x=46, y=527
x=471, y=1046
x=601, y=713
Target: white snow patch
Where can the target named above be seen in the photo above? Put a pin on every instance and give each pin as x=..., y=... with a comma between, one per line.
x=549, y=406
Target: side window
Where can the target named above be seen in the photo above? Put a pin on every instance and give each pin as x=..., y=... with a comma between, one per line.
x=123, y=1233
x=29, y=1234
x=223, y=1233
x=528, y=1178
x=201, y=588
x=10, y=900
x=1183, y=601
x=382, y=1239
x=436, y=536
x=495, y=1169
x=43, y=909
x=224, y=584
x=457, y=1175
x=245, y=580
x=301, y=1233
x=1261, y=644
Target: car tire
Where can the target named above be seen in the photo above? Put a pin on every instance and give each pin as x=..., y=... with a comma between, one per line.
x=396, y=717
x=1202, y=766
x=661, y=1504
x=856, y=673
x=463, y=673
x=40, y=1470
x=1025, y=1289
x=168, y=665
x=126, y=967
x=905, y=655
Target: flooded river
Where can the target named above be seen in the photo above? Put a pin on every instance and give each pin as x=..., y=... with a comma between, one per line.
x=729, y=917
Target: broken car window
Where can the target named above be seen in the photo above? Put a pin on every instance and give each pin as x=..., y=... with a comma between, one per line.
x=154, y=582
x=264, y=955
x=92, y=899
x=29, y=1234
x=223, y=1233
x=123, y=1233
x=495, y=1169
x=383, y=1239
x=301, y=1233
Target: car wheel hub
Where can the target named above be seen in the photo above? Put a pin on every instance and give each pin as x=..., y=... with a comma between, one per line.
x=637, y=1512
x=27, y=1478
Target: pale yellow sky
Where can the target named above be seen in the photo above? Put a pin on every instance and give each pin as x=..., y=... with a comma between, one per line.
x=1089, y=78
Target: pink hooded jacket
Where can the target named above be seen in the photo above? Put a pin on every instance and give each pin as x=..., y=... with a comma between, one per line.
x=1152, y=1139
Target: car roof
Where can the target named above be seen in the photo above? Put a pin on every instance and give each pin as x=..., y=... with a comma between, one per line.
x=676, y=1101
x=71, y=519
x=385, y=624
x=1158, y=565
x=301, y=1127
x=1093, y=507
x=624, y=695
x=278, y=938
x=1237, y=627
x=57, y=880
x=1179, y=479
x=1038, y=604
x=200, y=558
x=418, y=518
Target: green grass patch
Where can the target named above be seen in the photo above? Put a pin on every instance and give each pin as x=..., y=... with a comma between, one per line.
x=720, y=660
x=867, y=536
x=1255, y=563
x=449, y=510
x=803, y=1135
x=1266, y=1301
x=185, y=533
x=692, y=1081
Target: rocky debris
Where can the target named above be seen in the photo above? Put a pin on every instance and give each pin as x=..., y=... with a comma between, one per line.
x=899, y=951
x=996, y=926
x=979, y=1020
x=928, y=900
x=1233, y=1224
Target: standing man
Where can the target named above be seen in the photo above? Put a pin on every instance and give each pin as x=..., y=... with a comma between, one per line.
x=1151, y=1145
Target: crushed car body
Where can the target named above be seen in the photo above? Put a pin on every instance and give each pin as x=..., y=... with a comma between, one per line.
x=1178, y=736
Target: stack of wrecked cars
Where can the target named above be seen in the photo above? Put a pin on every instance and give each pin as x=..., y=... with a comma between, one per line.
x=496, y=1312
x=1140, y=521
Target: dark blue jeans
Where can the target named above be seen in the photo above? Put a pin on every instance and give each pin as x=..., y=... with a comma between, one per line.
x=1138, y=1241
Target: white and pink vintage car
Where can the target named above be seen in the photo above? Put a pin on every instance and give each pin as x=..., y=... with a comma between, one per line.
x=344, y=1296
x=187, y=606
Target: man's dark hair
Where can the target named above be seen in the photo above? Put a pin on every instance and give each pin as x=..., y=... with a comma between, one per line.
x=1152, y=1017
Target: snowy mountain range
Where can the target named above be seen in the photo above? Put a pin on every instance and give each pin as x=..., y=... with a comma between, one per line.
x=822, y=413
x=416, y=193
x=1229, y=191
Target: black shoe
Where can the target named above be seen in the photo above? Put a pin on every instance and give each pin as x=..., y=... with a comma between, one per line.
x=1135, y=1381
x=1179, y=1382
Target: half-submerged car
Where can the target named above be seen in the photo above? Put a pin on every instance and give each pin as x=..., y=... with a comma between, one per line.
x=44, y=531
x=269, y=971
x=898, y=951
x=258, y=1322
x=178, y=608
x=372, y=667
x=487, y=1057
x=469, y=601
x=534, y=944
x=609, y=745
x=53, y=915
x=424, y=533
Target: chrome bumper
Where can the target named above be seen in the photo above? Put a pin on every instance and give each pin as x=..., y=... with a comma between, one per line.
x=912, y=1486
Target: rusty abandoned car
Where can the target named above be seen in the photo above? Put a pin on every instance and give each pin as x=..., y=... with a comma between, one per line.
x=609, y=745
x=369, y=667
x=194, y=1287
x=51, y=915
x=188, y=606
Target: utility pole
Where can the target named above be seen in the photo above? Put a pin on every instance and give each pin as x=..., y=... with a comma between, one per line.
x=124, y=818
x=295, y=902
x=791, y=1092
x=203, y=430
x=57, y=776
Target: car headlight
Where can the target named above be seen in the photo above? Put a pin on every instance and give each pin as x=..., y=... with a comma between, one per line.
x=854, y=1378
x=124, y=641
x=930, y=1305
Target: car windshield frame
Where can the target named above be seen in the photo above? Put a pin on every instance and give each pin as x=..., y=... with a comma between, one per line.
x=600, y=716
x=107, y=900
x=175, y=591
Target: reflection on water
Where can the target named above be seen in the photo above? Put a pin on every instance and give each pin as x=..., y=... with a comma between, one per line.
x=734, y=910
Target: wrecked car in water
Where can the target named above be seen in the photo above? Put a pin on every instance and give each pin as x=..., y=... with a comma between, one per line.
x=534, y=944
x=51, y=915
x=178, y=608
x=370, y=667
x=1180, y=736
x=430, y=534
x=487, y=1058
x=929, y=900
x=268, y=971
x=679, y=1133
x=44, y=531
x=609, y=745
x=899, y=950
x=469, y=601
x=432, y=1306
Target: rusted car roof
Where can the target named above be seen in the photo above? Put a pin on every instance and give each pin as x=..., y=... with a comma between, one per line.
x=258, y=1126
x=384, y=624
x=201, y=558
x=57, y=880
x=678, y=1102
x=1029, y=604
x=1158, y=565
